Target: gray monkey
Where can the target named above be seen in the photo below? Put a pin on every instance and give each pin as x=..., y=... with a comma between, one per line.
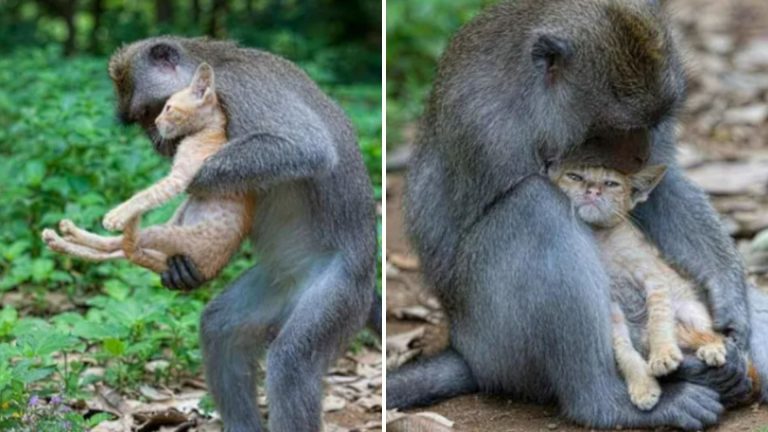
x=526, y=83
x=314, y=229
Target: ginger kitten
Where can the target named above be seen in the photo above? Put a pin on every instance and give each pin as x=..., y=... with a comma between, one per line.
x=676, y=317
x=209, y=230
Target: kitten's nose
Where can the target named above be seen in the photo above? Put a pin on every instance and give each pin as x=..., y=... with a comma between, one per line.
x=593, y=192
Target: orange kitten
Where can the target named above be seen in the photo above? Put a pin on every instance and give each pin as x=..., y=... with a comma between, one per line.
x=677, y=318
x=208, y=230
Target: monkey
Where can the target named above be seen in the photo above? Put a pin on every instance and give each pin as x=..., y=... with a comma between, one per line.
x=525, y=84
x=314, y=231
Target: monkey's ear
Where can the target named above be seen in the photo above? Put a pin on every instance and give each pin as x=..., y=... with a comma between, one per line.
x=645, y=181
x=202, y=83
x=164, y=55
x=549, y=54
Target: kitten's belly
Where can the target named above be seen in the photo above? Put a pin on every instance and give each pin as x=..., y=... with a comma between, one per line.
x=213, y=209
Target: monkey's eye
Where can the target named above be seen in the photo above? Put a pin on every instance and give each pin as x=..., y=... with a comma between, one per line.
x=611, y=184
x=575, y=177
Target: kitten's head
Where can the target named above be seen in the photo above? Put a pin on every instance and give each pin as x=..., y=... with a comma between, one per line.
x=604, y=197
x=191, y=109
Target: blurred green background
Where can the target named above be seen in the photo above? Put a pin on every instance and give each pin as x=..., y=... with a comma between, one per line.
x=62, y=154
x=417, y=33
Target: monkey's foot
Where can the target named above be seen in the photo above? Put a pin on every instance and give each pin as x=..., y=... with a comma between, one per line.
x=665, y=359
x=712, y=354
x=644, y=393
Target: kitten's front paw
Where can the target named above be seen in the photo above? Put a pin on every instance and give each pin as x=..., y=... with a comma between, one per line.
x=116, y=219
x=645, y=393
x=665, y=359
x=712, y=354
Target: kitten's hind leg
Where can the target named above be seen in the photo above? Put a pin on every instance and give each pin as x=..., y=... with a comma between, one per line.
x=644, y=390
x=74, y=234
x=133, y=246
x=58, y=244
x=694, y=331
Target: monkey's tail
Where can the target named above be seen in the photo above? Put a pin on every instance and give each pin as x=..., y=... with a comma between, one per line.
x=374, y=315
x=759, y=343
x=430, y=380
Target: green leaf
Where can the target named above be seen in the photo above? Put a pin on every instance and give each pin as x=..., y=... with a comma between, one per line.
x=114, y=347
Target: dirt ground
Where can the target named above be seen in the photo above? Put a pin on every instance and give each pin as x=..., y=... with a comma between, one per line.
x=724, y=147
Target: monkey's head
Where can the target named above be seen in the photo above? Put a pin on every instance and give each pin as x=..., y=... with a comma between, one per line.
x=610, y=73
x=603, y=197
x=191, y=109
x=145, y=74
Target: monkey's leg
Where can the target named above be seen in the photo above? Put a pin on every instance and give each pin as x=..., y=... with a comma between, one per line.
x=234, y=330
x=58, y=244
x=536, y=317
x=680, y=220
x=75, y=234
x=331, y=307
x=644, y=390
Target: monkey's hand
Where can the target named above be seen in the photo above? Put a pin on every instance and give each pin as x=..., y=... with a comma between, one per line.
x=731, y=317
x=182, y=274
x=118, y=217
x=731, y=380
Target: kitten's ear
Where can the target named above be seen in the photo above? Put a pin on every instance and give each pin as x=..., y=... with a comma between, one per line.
x=203, y=82
x=645, y=181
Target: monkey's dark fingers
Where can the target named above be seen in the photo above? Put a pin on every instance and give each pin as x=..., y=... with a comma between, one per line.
x=736, y=329
x=177, y=271
x=189, y=273
x=172, y=277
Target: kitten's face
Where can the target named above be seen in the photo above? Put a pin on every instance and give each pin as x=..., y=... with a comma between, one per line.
x=191, y=109
x=600, y=196
x=183, y=114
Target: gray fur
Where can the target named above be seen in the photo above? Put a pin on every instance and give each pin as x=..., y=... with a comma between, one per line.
x=759, y=343
x=314, y=228
x=522, y=86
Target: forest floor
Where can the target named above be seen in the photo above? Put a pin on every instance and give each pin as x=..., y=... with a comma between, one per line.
x=723, y=146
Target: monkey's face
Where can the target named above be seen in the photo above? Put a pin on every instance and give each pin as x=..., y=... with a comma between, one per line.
x=145, y=74
x=614, y=71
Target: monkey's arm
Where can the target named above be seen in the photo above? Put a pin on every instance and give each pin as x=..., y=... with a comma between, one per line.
x=680, y=220
x=261, y=159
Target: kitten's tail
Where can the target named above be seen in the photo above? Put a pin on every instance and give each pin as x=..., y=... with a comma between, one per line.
x=758, y=301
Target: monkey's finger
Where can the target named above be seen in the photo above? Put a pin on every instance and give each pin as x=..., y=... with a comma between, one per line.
x=165, y=279
x=174, y=269
x=189, y=274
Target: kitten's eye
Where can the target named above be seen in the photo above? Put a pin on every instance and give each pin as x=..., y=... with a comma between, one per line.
x=575, y=177
x=611, y=184
x=167, y=108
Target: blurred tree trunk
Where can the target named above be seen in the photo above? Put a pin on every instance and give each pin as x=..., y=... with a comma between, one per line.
x=164, y=13
x=196, y=12
x=97, y=9
x=66, y=10
x=216, y=24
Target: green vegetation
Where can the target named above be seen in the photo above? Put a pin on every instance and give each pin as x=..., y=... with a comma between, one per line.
x=417, y=33
x=66, y=324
